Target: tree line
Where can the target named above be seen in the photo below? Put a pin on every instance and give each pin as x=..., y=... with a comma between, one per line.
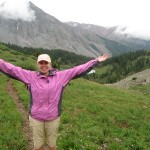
x=58, y=56
x=118, y=67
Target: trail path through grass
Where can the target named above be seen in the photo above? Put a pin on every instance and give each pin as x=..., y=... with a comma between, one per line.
x=26, y=128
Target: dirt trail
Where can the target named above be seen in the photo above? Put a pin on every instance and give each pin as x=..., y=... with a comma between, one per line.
x=26, y=128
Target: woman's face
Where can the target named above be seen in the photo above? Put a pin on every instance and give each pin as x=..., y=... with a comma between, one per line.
x=44, y=67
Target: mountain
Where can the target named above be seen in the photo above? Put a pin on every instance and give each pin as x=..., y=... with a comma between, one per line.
x=112, y=40
x=48, y=32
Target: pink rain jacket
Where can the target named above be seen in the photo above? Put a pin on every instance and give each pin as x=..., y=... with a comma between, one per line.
x=46, y=92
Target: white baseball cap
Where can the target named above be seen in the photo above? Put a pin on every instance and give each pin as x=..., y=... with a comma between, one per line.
x=44, y=57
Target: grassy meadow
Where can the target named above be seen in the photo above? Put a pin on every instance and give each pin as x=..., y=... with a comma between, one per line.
x=94, y=116
x=11, y=133
x=97, y=116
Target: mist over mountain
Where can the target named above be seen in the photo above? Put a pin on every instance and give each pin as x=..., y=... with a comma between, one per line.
x=39, y=29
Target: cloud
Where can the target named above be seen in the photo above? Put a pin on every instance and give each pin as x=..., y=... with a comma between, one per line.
x=134, y=31
x=14, y=9
x=131, y=15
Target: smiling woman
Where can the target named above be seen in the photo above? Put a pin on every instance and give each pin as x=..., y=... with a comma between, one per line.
x=44, y=64
x=46, y=88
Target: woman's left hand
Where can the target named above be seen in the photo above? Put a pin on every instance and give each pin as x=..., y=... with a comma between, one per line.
x=103, y=58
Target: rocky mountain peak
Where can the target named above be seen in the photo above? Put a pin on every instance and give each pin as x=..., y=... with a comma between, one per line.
x=46, y=31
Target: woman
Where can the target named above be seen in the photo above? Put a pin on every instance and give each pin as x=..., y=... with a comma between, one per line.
x=46, y=88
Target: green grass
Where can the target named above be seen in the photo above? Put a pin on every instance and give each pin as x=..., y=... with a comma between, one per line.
x=100, y=70
x=94, y=116
x=11, y=133
x=145, y=89
x=99, y=115
x=17, y=58
x=23, y=93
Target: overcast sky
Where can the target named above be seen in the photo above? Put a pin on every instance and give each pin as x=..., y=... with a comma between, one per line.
x=133, y=14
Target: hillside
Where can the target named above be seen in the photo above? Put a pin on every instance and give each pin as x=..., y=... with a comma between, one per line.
x=120, y=67
x=59, y=57
x=137, y=79
x=94, y=117
x=111, y=71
